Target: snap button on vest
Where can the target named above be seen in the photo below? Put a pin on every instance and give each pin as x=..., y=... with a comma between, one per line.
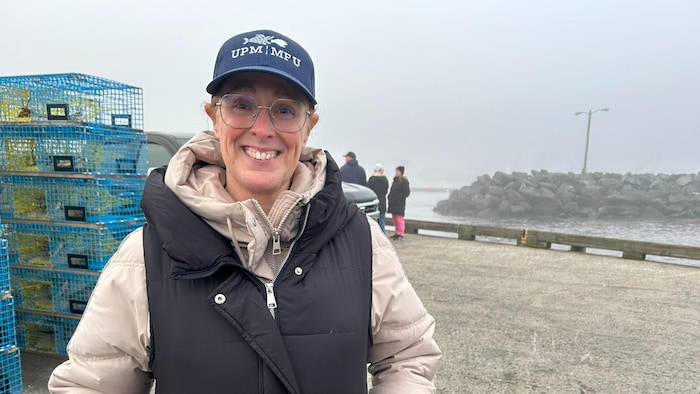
x=253, y=222
x=219, y=299
x=298, y=270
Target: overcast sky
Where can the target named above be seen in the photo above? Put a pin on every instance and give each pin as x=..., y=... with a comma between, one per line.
x=450, y=89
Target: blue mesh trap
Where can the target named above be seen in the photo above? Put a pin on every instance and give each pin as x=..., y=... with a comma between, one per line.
x=70, y=97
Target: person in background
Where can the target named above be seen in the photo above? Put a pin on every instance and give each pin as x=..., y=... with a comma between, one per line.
x=380, y=186
x=400, y=190
x=351, y=171
x=253, y=272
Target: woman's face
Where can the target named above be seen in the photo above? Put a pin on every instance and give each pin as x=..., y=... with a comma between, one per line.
x=259, y=160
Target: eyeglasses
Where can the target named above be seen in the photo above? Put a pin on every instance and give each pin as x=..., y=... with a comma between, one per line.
x=240, y=112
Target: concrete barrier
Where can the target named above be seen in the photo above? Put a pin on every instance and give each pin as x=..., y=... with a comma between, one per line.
x=629, y=249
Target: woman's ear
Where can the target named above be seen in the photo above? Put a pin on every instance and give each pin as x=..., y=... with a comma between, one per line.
x=313, y=120
x=210, y=109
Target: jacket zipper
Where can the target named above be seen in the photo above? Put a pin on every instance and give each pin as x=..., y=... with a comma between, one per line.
x=271, y=301
x=276, y=249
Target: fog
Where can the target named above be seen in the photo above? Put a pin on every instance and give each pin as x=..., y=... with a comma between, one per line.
x=449, y=89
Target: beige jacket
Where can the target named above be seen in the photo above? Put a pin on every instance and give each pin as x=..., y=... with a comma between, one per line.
x=109, y=350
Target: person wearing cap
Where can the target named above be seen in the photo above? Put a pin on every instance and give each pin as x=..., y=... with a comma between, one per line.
x=253, y=272
x=351, y=171
x=380, y=186
x=400, y=190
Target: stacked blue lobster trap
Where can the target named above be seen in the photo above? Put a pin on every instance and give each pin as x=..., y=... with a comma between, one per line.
x=10, y=363
x=73, y=164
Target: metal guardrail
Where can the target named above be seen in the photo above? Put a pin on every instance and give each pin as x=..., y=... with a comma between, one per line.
x=636, y=250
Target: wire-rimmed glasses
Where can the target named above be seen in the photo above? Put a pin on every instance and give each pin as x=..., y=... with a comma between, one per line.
x=240, y=112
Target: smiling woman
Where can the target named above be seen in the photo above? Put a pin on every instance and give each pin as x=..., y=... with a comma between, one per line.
x=253, y=271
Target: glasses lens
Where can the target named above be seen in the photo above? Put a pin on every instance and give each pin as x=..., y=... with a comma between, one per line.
x=238, y=111
x=288, y=116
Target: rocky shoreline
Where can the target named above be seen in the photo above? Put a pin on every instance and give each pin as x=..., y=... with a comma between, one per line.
x=543, y=194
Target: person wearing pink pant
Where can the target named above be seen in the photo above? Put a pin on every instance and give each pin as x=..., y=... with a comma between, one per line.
x=400, y=190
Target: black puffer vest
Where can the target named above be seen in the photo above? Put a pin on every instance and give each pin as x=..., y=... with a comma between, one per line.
x=211, y=329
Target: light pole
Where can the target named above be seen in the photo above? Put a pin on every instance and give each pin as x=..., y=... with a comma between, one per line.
x=588, y=136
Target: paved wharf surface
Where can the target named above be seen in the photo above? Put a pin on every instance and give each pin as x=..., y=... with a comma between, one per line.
x=513, y=319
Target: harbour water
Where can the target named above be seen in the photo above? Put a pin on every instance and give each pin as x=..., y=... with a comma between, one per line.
x=420, y=204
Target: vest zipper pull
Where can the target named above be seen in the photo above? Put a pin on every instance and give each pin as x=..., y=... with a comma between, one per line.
x=271, y=301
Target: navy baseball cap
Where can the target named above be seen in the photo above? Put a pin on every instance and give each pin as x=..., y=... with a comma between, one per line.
x=265, y=51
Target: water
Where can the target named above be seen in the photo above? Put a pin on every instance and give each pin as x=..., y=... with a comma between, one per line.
x=420, y=204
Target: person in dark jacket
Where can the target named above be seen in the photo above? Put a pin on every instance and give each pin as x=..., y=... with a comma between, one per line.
x=351, y=171
x=380, y=186
x=253, y=273
x=400, y=190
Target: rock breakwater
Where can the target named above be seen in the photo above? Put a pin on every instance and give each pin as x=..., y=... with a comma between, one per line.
x=597, y=195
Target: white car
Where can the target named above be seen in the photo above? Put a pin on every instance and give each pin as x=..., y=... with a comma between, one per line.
x=162, y=146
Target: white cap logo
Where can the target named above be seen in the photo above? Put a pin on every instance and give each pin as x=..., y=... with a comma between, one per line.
x=265, y=40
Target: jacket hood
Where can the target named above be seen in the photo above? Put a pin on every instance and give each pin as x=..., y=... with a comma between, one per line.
x=196, y=174
x=184, y=232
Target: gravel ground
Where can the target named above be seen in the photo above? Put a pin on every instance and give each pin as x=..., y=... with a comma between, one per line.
x=521, y=320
